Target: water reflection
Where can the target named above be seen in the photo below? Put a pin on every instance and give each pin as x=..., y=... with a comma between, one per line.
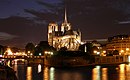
x=46, y=73
x=96, y=73
x=37, y=72
x=104, y=74
x=122, y=72
x=65, y=76
x=128, y=72
x=78, y=76
x=39, y=68
x=52, y=73
x=61, y=74
x=29, y=73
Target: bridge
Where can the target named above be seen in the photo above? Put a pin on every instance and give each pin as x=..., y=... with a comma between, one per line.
x=22, y=57
x=27, y=59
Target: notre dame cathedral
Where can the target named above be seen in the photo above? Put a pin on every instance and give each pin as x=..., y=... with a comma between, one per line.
x=63, y=36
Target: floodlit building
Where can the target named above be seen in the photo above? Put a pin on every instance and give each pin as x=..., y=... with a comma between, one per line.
x=63, y=36
x=120, y=43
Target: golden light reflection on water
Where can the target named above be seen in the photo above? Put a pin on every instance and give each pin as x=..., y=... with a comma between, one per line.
x=29, y=73
x=104, y=74
x=128, y=72
x=46, y=74
x=122, y=72
x=52, y=73
x=96, y=73
x=39, y=68
x=49, y=73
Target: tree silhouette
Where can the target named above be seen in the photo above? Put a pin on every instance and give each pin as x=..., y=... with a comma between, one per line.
x=29, y=48
x=2, y=50
x=89, y=47
x=42, y=47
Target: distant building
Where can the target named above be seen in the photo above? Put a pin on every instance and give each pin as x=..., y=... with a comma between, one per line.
x=63, y=36
x=120, y=43
x=101, y=41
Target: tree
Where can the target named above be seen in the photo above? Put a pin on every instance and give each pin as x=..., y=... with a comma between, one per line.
x=29, y=48
x=89, y=47
x=2, y=50
x=82, y=47
x=94, y=48
x=42, y=47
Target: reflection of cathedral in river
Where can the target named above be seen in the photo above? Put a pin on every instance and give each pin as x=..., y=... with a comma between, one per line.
x=63, y=37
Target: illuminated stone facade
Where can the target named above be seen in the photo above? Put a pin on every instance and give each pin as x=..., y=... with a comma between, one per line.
x=120, y=43
x=63, y=36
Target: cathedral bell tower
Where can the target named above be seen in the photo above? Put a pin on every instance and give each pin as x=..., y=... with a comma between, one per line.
x=51, y=32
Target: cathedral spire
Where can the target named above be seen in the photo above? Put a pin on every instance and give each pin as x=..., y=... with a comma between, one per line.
x=65, y=19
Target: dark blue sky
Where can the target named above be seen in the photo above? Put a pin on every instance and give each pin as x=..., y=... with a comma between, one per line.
x=23, y=21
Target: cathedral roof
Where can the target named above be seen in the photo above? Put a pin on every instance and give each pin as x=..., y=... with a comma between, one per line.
x=70, y=32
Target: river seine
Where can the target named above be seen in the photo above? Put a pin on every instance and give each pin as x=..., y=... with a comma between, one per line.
x=40, y=72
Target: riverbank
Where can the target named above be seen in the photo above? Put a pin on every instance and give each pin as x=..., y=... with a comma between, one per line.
x=79, y=59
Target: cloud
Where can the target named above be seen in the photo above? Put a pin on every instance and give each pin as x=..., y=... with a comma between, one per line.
x=124, y=22
x=6, y=36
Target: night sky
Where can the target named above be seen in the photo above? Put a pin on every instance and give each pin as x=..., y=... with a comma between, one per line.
x=23, y=21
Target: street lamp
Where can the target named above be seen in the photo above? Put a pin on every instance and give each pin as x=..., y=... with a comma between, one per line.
x=48, y=53
x=95, y=51
x=122, y=51
x=40, y=54
x=28, y=53
x=127, y=50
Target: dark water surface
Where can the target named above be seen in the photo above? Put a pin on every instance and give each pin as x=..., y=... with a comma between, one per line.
x=40, y=72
